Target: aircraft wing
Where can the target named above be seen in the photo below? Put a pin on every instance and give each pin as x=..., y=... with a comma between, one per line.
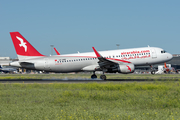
x=108, y=63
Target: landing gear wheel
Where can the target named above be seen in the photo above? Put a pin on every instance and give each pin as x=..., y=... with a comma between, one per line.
x=93, y=76
x=153, y=72
x=103, y=77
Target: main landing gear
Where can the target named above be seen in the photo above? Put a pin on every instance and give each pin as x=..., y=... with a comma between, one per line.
x=103, y=77
x=94, y=76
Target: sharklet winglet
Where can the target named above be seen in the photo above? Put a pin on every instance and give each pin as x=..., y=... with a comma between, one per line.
x=97, y=54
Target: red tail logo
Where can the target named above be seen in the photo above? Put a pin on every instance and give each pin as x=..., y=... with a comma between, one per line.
x=128, y=68
x=22, y=46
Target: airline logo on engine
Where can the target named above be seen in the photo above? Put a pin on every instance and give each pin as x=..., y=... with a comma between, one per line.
x=23, y=44
x=128, y=68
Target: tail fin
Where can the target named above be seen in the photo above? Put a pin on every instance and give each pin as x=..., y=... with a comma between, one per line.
x=23, y=48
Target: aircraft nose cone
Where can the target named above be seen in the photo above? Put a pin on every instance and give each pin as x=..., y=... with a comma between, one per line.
x=170, y=56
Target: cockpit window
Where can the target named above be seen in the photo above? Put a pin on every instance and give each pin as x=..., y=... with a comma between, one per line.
x=163, y=51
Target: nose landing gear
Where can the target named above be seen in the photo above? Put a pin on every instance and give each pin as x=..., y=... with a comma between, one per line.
x=152, y=70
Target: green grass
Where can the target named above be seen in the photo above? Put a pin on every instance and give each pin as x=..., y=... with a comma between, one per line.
x=88, y=76
x=87, y=101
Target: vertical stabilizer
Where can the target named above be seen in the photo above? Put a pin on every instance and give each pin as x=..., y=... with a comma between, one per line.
x=23, y=48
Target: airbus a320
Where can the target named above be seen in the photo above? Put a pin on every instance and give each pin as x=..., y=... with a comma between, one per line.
x=111, y=61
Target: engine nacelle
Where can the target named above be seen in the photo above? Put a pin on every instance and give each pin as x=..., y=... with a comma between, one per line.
x=126, y=68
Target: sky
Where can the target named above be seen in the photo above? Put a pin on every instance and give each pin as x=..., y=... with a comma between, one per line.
x=79, y=25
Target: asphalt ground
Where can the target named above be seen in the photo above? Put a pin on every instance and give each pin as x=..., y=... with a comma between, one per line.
x=73, y=80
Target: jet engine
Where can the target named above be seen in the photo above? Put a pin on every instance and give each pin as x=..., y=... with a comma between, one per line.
x=126, y=68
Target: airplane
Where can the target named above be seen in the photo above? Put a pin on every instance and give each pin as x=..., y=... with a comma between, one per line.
x=7, y=69
x=112, y=61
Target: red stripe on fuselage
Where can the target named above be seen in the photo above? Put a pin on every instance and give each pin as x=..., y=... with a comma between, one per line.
x=96, y=57
x=119, y=60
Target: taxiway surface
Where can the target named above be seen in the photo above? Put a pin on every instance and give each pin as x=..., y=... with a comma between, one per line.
x=71, y=80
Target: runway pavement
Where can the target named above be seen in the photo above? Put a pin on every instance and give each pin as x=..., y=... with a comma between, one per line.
x=71, y=80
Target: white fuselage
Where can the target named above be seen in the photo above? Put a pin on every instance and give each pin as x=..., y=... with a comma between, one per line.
x=89, y=61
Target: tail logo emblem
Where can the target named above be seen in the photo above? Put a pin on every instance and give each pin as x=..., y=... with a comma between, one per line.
x=23, y=44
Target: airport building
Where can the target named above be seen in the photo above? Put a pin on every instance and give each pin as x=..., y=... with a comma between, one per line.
x=5, y=61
